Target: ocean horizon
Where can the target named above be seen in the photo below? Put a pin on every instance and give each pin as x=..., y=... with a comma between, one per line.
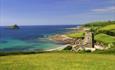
x=30, y=38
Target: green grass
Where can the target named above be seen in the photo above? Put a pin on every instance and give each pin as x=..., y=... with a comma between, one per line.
x=108, y=51
x=99, y=23
x=105, y=38
x=76, y=35
x=58, y=61
x=108, y=27
x=113, y=31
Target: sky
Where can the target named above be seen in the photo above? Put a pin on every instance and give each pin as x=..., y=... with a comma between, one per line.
x=55, y=12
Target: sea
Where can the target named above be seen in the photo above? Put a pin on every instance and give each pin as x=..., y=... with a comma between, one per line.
x=30, y=38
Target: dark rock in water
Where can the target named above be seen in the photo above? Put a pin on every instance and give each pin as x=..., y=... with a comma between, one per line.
x=14, y=26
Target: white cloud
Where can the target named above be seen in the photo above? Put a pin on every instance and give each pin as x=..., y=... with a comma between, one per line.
x=107, y=9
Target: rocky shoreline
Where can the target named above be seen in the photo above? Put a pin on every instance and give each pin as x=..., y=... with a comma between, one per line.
x=76, y=44
x=60, y=38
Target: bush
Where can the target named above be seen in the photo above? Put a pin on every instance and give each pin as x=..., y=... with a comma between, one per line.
x=68, y=48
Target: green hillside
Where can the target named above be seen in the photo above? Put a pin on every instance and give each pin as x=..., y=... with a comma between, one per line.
x=108, y=27
x=104, y=38
x=76, y=35
x=99, y=23
x=104, y=31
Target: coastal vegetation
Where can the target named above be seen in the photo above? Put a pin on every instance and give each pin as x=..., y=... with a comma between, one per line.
x=76, y=35
x=107, y=39
x=108, y=27
x=104, y=31
x=99, y=23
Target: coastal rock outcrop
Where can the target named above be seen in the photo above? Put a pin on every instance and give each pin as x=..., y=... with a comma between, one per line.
x=61, y=38
x=14, y=26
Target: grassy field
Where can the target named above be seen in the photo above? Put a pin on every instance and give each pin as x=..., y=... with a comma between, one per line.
x=108, y=27
x=58, y=61
x=76, y=35
x=99, y=23
x=105, y=38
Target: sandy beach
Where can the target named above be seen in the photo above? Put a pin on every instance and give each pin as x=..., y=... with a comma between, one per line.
x=58, y=48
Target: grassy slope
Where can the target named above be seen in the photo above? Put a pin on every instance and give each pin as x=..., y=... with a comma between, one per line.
x=104, y=38
x=58, y=61
x=102, y=26
x=99, y=24
x=76, y=35
x=108, y=27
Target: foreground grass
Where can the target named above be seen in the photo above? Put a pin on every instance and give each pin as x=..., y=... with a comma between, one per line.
x=58, y=61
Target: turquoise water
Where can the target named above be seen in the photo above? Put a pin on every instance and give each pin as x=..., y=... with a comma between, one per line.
x=30, y=38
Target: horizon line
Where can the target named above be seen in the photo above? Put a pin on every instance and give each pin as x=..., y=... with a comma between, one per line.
x=44, y=25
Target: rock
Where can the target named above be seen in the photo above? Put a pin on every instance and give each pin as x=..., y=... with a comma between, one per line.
x=61, y=38
x=14, y=26
x=90, y=49
x=98, y=47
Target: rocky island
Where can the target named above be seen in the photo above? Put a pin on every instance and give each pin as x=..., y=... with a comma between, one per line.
x=15, y=26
